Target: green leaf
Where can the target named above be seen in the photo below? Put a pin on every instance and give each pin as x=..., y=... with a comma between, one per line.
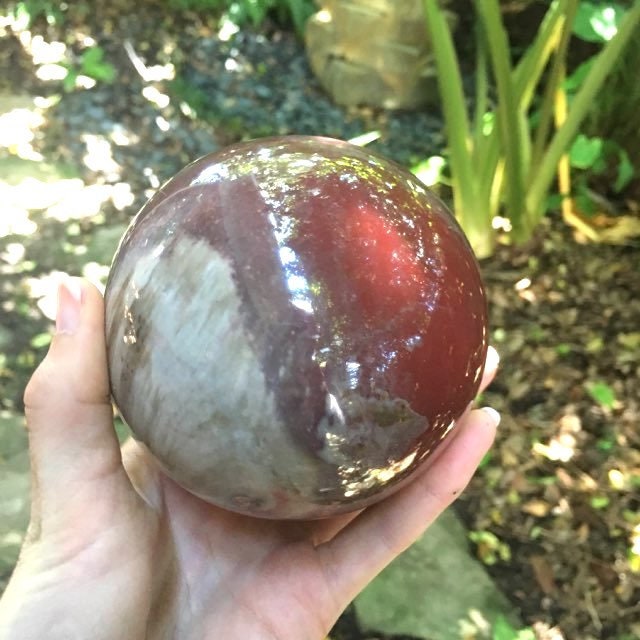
x=597, y=22
x=606, y=444
x=29, y=11
x=600, y=502
x=490, y=548
x=486, y=460
x=41, y=340
x=602, y=393
x=94, y=65
x=69, y=82
x=504, y=630
x=581, y=106
x=630, y=341
x=626, y=171
x=585, y=152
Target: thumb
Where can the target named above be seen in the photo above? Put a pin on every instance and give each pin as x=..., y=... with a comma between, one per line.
x=75, y=457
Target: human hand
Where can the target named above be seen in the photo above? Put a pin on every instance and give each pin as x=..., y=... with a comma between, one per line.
x=117, y=551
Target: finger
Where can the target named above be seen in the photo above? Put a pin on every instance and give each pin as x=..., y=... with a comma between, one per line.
x=73, y=447
x=361, y=550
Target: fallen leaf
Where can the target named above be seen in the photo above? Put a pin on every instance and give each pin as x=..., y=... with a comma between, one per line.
x=564, y=478
x=582, y=533
x=607, y=576
x=537, y=508
x=625, y=228
x=543, y=573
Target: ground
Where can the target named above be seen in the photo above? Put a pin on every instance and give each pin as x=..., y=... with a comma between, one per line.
x=554, y=511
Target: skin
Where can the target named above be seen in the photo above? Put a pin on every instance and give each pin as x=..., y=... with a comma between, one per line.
x=116, y=550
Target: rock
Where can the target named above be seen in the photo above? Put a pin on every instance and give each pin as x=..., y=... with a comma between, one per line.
x=372, y=53
x=434, y=590
x=14, y=490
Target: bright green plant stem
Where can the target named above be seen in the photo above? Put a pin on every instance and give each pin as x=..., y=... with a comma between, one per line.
x=526, y=78
x=477, y=159
x=482, y=84
x=556, y=76
x=580, y=107
x=464, y=179
x=508, y=112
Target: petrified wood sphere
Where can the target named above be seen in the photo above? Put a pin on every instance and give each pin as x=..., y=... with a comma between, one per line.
x=293, y=327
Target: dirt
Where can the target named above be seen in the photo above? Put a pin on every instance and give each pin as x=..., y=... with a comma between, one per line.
x=556, y=505
x=561, y=486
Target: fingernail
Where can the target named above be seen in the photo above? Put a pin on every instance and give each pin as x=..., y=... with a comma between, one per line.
x=493, y=359
x=495, y=416
x=69, y=305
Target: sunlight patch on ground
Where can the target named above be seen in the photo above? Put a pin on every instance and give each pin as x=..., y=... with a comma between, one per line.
x=13, y=254
x=153, y=95
x=17, y=128
x=51, y=72
x=561, y=447
x=122, y=195
x=49, y=58
x=14, y=21
x=99, y=157
x=44, y=52
x=82, y=202
x=96, y=273
x=15, y=221
x=154, y=73
x=228, y=29
x=35, y=194
x=45, y=291
x=63, y=200
x=123, y=137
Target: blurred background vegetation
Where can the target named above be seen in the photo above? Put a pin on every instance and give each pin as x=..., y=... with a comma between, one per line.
x=523, y=115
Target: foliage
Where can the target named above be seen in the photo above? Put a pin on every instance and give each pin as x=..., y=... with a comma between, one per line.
x=502, y=159
x=93, y=65
x=603, y=394
x=253, y=11
x=32, y=10
x=598, y=158
x=614, y=115
x=490, y=549
x=504, y=630
x=597, y=21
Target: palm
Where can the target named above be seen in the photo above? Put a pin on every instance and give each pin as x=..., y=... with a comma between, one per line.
x=249, y=578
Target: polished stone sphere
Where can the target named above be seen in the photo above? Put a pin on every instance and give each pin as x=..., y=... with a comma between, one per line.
x=294, y=325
